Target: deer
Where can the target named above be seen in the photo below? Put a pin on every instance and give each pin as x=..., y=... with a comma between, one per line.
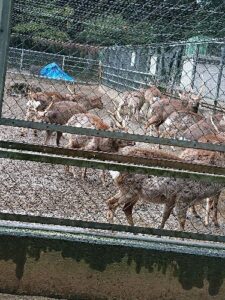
x=172, y=193
x=138, y=102
x=164, y=107
x=133, y=101
x=43, y=99
x=93, y=143
x=39, y=101
x=22, y=89
x=175, y=125
x=207, y=126
x=212, y=158
x=151, y=95
x=192, y=126
x=61, y=112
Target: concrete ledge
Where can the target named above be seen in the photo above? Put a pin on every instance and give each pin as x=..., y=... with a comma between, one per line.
x=76, y=264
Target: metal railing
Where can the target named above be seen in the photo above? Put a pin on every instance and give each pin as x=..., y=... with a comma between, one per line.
x=124, y=66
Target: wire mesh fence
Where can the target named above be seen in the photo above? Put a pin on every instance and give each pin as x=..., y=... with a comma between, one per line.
x=30, y=62
x=135, y=85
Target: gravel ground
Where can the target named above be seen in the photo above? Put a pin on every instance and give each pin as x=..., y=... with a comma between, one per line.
x=47, y=190
x=15, y=297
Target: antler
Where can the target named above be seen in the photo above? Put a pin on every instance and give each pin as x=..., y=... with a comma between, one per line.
x=119, y=123
x=72, y=92
x=48, y=108
x=214, y=125
x=42, y=114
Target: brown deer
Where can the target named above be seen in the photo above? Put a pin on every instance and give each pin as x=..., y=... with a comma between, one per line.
x=179, y=121
x=61, y=112
x=211, y=158
x=163, y=108
x=93, y=143
x=207, y=126
x=178, y=193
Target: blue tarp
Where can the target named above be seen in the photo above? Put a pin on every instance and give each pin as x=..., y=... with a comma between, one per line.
x=53, y=71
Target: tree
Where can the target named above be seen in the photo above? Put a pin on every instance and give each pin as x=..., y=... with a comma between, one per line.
x=115, y=30
x=45, y=20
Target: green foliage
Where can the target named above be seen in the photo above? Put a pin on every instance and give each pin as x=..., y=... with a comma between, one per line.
x=45, y=20
x=40, y=30
x=115, y=30
x=109, y=30
x=116, y=22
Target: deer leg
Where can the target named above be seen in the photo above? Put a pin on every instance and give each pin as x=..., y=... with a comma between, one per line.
x=48, y=136
x=112, y=204
x=181, y=209
x=35, y=133
x=128, y=210
x=168, y=207
x=144, y=110
x=84, y=173
x=103, y=177
x=215, y=212
x=119, y=110
x=137, y=114
x=67, y=169
x=213, y=203
x=58, y=137
x=158, y=135
x=70, y=170
x=194, y=212
x=208, y=206
x=24, y=131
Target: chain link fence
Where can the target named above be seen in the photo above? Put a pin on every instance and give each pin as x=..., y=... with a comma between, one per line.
x=29, y=62
x=147, y=120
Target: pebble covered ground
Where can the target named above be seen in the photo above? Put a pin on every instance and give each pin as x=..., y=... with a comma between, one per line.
x=47, y=190
x=15, y=297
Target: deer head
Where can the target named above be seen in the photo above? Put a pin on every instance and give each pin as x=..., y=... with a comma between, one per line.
x=96, y=102
x=42, y=114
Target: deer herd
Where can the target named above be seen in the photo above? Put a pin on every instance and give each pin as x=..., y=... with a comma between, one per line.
x=175, y=116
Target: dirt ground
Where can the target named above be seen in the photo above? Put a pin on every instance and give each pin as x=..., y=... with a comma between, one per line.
x=47, y=190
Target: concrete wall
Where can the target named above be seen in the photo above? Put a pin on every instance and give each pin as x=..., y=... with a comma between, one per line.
x=79, y=270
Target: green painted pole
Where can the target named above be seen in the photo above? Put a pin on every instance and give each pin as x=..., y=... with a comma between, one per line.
x=5, y=21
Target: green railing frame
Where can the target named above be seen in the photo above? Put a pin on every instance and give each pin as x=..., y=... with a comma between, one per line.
x=111, y=161
x=5, y=21
x=112, y=134
x=38, y=153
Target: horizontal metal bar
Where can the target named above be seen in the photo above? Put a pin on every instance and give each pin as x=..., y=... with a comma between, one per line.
x=8, y=227
x=46, y=79
x=123, y=78
x=154, y=162
x=112, y=227
x=50, y=54
x=110, y=134
x=118, y=83
x=156, y=45
x=126, y=70
x=108, y=165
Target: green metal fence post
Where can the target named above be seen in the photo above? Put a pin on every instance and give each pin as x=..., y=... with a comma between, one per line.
x=5, y=20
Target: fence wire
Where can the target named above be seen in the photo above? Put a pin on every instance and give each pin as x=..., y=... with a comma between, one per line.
x=147, y=68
